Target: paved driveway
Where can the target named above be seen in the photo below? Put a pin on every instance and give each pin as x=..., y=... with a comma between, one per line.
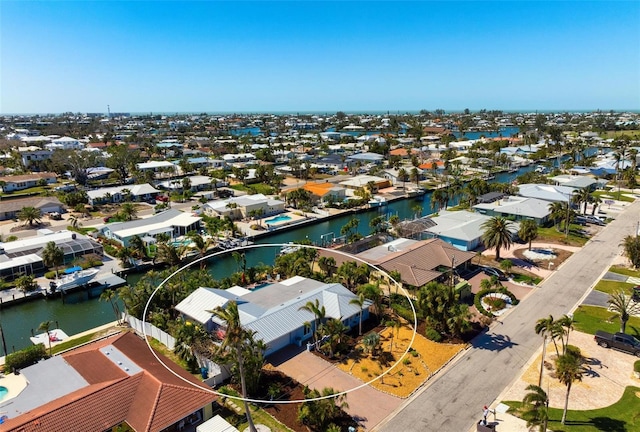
x=367, y=405
x=452, y=402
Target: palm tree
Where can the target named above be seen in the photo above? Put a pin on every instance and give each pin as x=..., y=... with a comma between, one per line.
x=128, y=211
x=373, y=293
x=30, y=215
x=568, y=370
x=359, y=301
x=497, y=234
x=402, y=174
x=234, y=341
x=557, y=212
x=543, y=328
x=169, y=254
x=45, y=326
x=535, y=409
x=111, y=296
x=595, y=202
x=74, y=221
x=138, y=246
x=126, y=254
x=565, y=323
x=582, y=196
x=439, y=199
x=327, y=265
x=333, y=329
x=528, y=231
x=52, y=256
x=319, y=314
x=201, y=245
x=621, y=304
x=631, y=245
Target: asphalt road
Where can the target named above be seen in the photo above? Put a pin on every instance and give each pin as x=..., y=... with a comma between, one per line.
x=453, y=402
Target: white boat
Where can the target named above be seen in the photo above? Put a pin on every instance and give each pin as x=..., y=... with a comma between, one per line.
x=377, y=201
x=292, y=247
x=77, y=278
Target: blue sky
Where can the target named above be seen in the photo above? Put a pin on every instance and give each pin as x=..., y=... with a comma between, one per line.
x=162, y=56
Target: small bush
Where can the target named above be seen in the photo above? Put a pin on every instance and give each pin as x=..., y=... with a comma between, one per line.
x=433, y=335
x=25, y=357
x=495, y=303
x=636, y=366
x=50, y=275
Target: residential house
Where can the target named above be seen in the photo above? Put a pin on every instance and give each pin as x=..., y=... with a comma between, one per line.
x=462, y=229
x=10, y=208
x=171, y=222
x=64, y=143
x=374, y=158
x=517, y=208
x=546, y=192
x=116, y=194
x=24, y=256
x=274, y=311
x=576, y=182
x=32, y=156
x=15, y=183
x=360, y=182
x=241, y=207
x=114, y=382
x=325, y=192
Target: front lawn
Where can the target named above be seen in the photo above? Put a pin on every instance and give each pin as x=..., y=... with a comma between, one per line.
x=522, y=278
x=624, y=271
x=622, y=416
x=609, y=286
x=589, y=319
x=552, y=235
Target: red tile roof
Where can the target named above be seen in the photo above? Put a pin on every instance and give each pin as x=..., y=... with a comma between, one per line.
x=151, y=400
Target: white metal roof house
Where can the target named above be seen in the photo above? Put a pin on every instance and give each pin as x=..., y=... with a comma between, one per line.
x=172, y=222
x=138, y=192
x=273, y=311
x=462, y=229
x=546, y=192
x=519, y=208
x=239, y=207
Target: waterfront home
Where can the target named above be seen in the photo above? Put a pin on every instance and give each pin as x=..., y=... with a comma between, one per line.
x=231, y=158
x=32, y=157
x=171, y=222
x=116, y=194
x=64, y=143
x=325, y=192
x=241, y=207
x=462, y=229
x=198, y=183
x=157, y=166
x=517, y=208
x=10, y=208
x=576, y=181
x=24, y=256
x=112, y=383
x=13, y=183
x=273, y=311
x=546, y=192
x=360, y=182
x=374, y=158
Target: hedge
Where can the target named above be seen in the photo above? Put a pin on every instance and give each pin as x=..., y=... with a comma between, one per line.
x=636, y=366
x=25, y=357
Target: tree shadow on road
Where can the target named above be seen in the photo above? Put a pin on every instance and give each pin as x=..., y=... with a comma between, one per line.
x=493, y=342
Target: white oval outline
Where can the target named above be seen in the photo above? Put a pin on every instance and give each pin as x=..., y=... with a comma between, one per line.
x=261, y=401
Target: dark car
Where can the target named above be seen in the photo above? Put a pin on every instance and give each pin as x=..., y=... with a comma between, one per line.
x=635, y=296
x=491, y=271
x=618, y=341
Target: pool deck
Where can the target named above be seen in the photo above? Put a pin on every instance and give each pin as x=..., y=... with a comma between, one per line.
x=14, y=385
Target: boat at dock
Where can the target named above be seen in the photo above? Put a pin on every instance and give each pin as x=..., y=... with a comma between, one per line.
x=74, y=277
x=378, y=201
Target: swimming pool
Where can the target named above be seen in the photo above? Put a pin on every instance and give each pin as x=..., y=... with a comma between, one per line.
x=277, y=219
x=3, y=392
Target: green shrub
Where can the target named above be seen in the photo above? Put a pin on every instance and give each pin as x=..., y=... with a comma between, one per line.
x=433, y=335
x=25, y=357
x=636, y=366
x=50, y=275
x=502, y=290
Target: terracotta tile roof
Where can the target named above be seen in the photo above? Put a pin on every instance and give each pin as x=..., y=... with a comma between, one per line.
x=399, y=152
x=151, y=400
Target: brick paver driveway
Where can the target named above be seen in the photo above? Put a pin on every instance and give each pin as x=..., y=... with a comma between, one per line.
x=367, y=405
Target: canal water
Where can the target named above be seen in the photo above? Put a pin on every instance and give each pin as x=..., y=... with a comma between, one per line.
x=82, y=311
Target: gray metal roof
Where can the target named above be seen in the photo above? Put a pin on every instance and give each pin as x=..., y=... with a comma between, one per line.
x=48, y=380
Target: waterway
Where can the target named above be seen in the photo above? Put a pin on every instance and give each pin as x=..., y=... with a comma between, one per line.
x=82, y=312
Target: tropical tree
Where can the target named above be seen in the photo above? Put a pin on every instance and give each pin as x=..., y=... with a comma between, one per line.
x=439, y=199
x=111, y=296
x=374, y=293
x=319, y=412
x=535, y=408
x=327, y=265
x=543, y=328
x=52, y=256
x=235, y=339
x=74, y=221
x=45, y=326
x=402, y=175
x=528, y=231
x=371, y=342
x=622, y=305
x=319, y=313
x=439, y=304
x=26, y=283
x=631, y=245
x=169, y=254
x=566, y=325
x=128, y=211
x=359, y=301
x=138, y=246
x=126, y=256
x=332, y=330
x=569, y=369
x=200, y=244
x=497, y=234
x=557, y=212
x=30, y=215
x=595, y=202
x=582, y=196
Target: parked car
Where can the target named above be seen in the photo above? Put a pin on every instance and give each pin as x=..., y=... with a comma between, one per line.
x=595, y=220
x=491, y=271
x=620, y=341
x=580, y=220
x=635, y=296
